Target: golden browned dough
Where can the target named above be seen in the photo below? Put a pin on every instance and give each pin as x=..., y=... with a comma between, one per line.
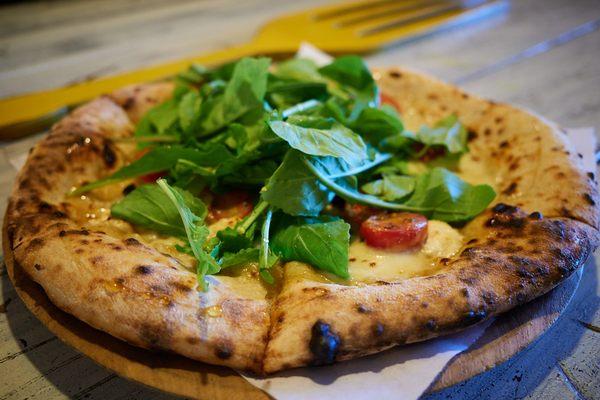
x=543, y=226
x=120, y=286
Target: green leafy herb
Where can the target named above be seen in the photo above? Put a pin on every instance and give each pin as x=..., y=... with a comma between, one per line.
x=332, y=139
x=148, y=206
x=377, y=124
x=322, y=243
x=294, y=189
x=196, y=233
x=244, y=93
x=438, y=194
x=263, y=262
x=241, y=258
x=390, y=187
x=448, y=132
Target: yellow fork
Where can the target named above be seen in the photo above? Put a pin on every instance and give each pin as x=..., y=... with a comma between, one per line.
x=357, y=27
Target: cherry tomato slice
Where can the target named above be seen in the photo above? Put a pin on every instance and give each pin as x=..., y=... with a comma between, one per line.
x=228, y=205
x=385, y=99
x=395, y=231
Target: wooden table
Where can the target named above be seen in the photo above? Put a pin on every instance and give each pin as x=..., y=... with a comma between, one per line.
x=543, y=54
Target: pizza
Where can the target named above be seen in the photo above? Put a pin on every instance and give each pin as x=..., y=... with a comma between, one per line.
x=265, y=217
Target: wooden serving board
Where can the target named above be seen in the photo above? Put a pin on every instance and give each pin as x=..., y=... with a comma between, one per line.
x=506, y=336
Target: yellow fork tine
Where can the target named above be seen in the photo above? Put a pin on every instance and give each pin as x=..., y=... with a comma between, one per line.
x=350, y=8
x=388, y=11
x=419, y=15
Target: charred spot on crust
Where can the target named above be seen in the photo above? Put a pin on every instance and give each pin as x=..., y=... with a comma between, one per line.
x=395, y=74
x=473, y=317
x=503, y=144
x=38, y=267
x=181, y=286
x=589, y=199
x=143, y=269
x=471, y=135
x=504, y=216
x=362, y=309
x=128, y=189
x=324, y=343
x=536, y=215
x=34, y=244
x=129, y=103
x=109, y=156
x=132, y=242
x=154, y=335
x=510, y=189
x=431, y=325
x=378, y=329
x=502, y=208
x=223, y=351
x=83, y=232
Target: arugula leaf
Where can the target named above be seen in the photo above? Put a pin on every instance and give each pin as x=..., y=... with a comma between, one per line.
x=353, y=74
x=322, y=243
x=294, y=189
x=331, y=139
x=263, y=260
x=438, y=194
x=242, y=257
x=449, y=198
x=161, y=159
x=350, y=70
x=188, y=110
x=245, y=92
x=448, y=132
x=159, y=120
x=300, y=69
x=196, y=233
x=149, y=207
x=390, y=187
x=376, y=124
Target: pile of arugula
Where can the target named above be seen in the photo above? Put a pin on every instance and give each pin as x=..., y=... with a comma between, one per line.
x=299, y=135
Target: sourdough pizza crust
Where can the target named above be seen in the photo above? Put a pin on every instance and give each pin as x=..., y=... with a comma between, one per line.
x=543, y=227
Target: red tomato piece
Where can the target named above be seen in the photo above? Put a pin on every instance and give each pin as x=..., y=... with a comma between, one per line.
x=395, y=231
x=228, y=205
x=152, y=177
x=385, y=99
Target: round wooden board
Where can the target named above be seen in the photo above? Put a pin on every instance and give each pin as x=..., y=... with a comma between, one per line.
x=506, y=336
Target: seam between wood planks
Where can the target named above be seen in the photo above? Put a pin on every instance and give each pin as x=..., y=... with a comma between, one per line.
x=93, y=386
x=27, y=350
x=530, y=52
x=569, y=380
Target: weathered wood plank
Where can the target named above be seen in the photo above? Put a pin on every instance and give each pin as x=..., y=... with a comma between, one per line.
x=118, y=42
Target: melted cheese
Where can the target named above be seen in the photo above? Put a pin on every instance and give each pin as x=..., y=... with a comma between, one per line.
x=473, y=171
x=368, y=264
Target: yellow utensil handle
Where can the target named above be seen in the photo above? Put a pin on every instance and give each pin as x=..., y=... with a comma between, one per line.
x=14, y=110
